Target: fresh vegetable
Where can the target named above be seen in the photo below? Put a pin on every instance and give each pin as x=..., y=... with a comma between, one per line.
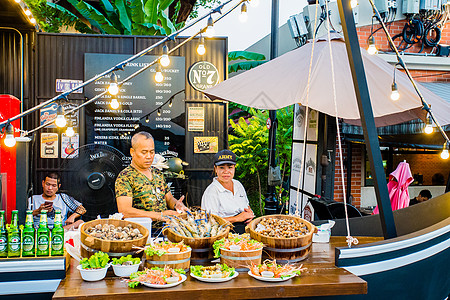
x=243, y=242
x=217, y=271
x=154, y=275
x=279, y=271
x=163, y=248
x=126, y=260
x=98, y=260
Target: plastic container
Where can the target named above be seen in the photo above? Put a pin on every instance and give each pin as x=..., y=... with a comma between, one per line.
x=146, y=222
x=125, y=271
x=93, y=274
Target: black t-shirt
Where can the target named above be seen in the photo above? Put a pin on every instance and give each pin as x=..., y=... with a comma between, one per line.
x=413, y=201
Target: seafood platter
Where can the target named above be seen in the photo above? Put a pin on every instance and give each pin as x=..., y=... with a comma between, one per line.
x=166, y=253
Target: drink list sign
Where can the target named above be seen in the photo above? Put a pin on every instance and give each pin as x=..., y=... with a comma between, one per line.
x=139, y=100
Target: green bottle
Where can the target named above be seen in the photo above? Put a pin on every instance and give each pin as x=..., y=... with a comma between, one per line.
x=57, y=236
x=43, y=236
x=28, y=237
x=3, y=235
x=14, y=244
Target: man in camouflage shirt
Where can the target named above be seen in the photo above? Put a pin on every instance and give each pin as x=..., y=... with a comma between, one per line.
x=141, y=190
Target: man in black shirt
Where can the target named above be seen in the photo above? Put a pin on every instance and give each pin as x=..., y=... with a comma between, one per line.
x=424, y=195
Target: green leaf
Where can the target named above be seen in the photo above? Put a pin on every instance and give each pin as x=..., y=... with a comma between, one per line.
x=123, y=16
x=94, y=17
x=137, y=11
x=62, y=9
x=149, y=29
x=244, y=65
x=151, y=11
x=164, y=4
x=166, y=23
x=246, y=55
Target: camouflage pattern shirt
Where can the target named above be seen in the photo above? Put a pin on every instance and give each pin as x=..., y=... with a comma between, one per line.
x=147, y=194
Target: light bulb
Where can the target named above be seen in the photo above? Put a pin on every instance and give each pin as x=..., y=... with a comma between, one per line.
x=395, y=95
x=114, y=103
x=159, y=76
x=60, y=119
x=33, y=21
x=17, y=1
x=243, y=17
x=113, y=88
x=70, y=132
x=210, y=29
x=28, y=12
x=159, y=112
x=170, y=103
x=372, y=50
x=254, y=3
x=165, y=60
x=353, y=3
x=147, y=120
x=428, y=129
x=201, y=50
x=9, y=141
x=444, y=153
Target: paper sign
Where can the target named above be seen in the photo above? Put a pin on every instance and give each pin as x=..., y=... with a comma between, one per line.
x=69, y=144
x=49, y=145
x=196, y=119
x=206, y=144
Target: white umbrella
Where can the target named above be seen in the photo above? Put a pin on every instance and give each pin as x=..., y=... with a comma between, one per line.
x=283, y=81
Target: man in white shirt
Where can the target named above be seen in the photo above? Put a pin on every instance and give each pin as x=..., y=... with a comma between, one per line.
x=50, y=201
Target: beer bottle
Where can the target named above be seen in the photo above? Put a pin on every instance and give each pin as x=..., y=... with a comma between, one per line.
x=28, y=239
x=14, y=244
x=43, y=236
x=57, y=236
x=3, y=235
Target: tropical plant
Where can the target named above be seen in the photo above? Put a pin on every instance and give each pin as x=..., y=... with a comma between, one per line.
x=251, y=60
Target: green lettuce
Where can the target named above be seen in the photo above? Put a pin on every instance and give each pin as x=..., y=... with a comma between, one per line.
x=98, y=260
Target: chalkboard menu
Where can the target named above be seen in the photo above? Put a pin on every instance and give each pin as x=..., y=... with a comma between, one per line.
x=137, y=98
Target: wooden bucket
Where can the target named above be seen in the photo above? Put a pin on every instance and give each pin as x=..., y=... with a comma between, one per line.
x=90, y=244
x=240, y=260
x=284, y=250
x=179, y=260
x=202, y=248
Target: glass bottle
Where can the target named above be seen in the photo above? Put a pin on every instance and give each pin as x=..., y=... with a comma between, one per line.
x=3, y=235
x=43, y=236
x=14, y=244
x=28, y=236
x=57, y=236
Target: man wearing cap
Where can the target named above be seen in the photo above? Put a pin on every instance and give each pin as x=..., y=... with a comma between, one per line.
x=225, y=196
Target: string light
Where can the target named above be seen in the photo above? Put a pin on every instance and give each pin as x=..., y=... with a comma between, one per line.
x=372, y=50
x=114, y=103
x=243, y=17
x=28, y=12
x=353, y=3
x=254, y=3
x=201, y=50
x=210, y=29
x=17, y=1
x=158, y=76
x=9, y=141
x=165, y=60
x=170, y=102
x=113, y=88
x=147, y=120
x=159, y=112
x=136, y=126
x=33, y=21
x=429, y=126
x=444, y=153
x=395, y=95
x=60, y=120
x=69, y=131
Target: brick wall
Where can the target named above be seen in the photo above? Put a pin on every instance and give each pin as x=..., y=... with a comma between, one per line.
x=426, y=164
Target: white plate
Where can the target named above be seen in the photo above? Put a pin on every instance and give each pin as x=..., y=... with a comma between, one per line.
x=269, y=279
x=164, y=286
x=216, y=279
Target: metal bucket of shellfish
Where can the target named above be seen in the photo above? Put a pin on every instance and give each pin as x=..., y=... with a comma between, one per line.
x=114, y=237
x=199, y=231
x=287, y=239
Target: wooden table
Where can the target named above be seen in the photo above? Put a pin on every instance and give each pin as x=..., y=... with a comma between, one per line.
x=322, y=278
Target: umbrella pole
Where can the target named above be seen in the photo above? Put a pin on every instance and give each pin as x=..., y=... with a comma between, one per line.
x=367, y=119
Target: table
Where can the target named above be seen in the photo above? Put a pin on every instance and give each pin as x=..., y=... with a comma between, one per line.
x=322, y=278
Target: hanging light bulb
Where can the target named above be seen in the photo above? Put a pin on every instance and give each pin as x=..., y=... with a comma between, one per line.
x=69, y=131
x=17, y=1
x=243, y=17
x=9, y=141
x=429, y=126
x=158, y=76
x=28, y=12
x=254, y=3
x=113, y=88
x=33, y=21
x=147, y=120
x=159, y=112
x=210, y=29
x=114, y=103
x=165, y=60
x=353, y=3
x=201, y=50
x=136, y=126
x=60, y=119
x=170, y=102
x=444, y=153
x=372, y=50
x=395, y=95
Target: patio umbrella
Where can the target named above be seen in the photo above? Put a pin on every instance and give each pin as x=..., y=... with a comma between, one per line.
x=399, y=180
x=283, y=81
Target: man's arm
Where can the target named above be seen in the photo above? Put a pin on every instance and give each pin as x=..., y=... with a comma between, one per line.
x=175, y=204
x=125, y=206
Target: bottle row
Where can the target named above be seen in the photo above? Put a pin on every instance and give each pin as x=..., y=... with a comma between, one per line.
x=29, y=242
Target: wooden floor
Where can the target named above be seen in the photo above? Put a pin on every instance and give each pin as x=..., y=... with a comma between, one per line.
x=321, y=278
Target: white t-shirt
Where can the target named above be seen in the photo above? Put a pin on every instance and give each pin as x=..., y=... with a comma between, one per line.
x=58, y=204
x=219, y=201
